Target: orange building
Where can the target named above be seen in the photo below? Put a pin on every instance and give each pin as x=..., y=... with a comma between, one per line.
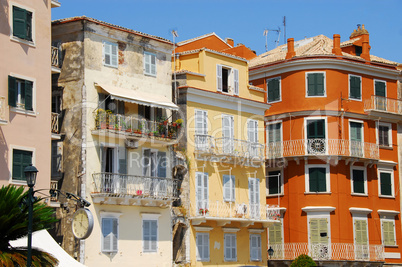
x=331, y=135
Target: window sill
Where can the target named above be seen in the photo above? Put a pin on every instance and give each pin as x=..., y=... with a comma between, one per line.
x=22, y=41
x=386, y=147
x=391, y=246
x=150, y=75
x=317, y=193
x=18, y=182
x=275, y=101
x=275, y=195
x=359, y=195
x=355, y=99
x=111, y=66
x=23, y=111
x=315, y=96
x=386, y=196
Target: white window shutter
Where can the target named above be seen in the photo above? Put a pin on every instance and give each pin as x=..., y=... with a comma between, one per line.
x=205, y=191
x=115, y=233
x=236, y=81
x=107, y=52
x=114, y=55
x=153, y=64
x=232, y=179
x=206, y=246
x=106, y=233
x=147, y=63
x=219, y=77
x=205, y=119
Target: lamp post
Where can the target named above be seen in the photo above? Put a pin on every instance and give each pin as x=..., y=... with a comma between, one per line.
x=30, y=176
x=270, y=253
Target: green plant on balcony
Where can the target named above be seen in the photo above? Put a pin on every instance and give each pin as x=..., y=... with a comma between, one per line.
x=102, y=118
x=179, y=122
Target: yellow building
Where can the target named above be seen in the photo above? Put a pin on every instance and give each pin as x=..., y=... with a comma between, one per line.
x=227, y=215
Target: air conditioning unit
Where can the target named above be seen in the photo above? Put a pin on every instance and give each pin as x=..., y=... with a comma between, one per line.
x=129, y=143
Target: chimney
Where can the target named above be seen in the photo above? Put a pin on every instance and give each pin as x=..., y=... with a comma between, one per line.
x=291, y=48
x=365, y=50
x=229, y=41
x=337, y=45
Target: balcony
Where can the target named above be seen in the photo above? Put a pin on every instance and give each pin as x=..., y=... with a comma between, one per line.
x=55, y=3
x=132, y=127
x=328, y=252
x=229, y=150
x=133, y=190
x=54, y=198
x=3, y=106
x=55, y=126
x=379, y=106
x=226, y=212
x=55, y=59
x=323, y=147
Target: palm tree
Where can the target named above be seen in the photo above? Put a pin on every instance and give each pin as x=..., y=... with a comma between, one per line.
x=14, y=225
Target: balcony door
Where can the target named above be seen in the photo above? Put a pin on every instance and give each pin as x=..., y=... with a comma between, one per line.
x=319, y=238
x=227, y=134
x=201, y=130
x=114, y=168
x=154, y=171
x=252, y=135
x=381, y=94
x=356, y=139
x=201, y=192
x=361, y=239
x=254, y=197
x=316, y=139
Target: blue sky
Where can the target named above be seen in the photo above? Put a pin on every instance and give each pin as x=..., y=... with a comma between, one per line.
x=245, y=21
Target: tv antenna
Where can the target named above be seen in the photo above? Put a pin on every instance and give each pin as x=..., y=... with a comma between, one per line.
x=266, y=31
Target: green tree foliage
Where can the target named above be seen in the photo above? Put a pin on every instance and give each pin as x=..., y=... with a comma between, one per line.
x=14, y=225
x=302, y=261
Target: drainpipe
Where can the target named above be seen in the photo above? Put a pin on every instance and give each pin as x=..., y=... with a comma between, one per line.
x=83, y=158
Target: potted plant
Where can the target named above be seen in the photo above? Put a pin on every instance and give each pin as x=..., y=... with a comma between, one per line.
x=179, y=122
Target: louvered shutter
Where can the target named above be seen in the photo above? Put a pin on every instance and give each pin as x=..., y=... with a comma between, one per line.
x=206, y=246
x=162, y=164
x=146, y=162
x=361, y=232
x=19, y=22
x=219, y=78
x=358, y=181
x=202, y=190
x=122, y=160
x=314, y=231
x=28, y=87
x=153, y=234
x=106, y=232
x=388, y=229
x=380, y=88
x=12, y=91
x=273, y=90
x=106, y=52
x=386, y=184
x=355, y=85
x=28, y=26
x=311, y=87
x=114, y=54
x=226, y=188
x=356, y=131
x=313, y=180
x=323, y=229
x=275, y=234
x=115, y=236
x=255, y=247
x=201, y=122
x=153, y=64
x=205, y=191
x=236, y=81
x=319, y=84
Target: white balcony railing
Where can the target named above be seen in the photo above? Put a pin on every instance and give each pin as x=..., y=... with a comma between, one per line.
x=115, y=184
x=322, y=147
x=231, y=210
x=3, y=109
x=383, y=104
x=133, y=125
x=329, y=251
x=228, y=147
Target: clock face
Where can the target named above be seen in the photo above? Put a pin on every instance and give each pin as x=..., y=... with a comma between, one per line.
x=82, y=223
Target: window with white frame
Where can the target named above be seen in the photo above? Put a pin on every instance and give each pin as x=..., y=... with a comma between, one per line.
x=110, y=54
x=316, y=134
x=201, y=130
x=230, y=246
x=20, y=160
x=319, y=233
x=380, y=91
x=22, y=23
x=317, y=178
x=20, y=93
x=361, y=236
x=227, y=79
x=274, y=182
x=356, y=138
x=315, y=84
x=274, y=90
x=252, y=137
x=149, y=234
x=359, y=180
x=384, y=134
x=274, y=132
x=202, y=240
x=201, y=192
x=229, y=188
x=110, y=234
x=227, y=133
x=386, y=182
x=355, y=88
x=388, y=232
x=255, y=247
x=150, y=63
x=275, y=234
x=154, y=163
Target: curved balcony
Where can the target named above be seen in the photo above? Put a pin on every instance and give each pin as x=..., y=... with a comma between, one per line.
x=123, y=189
x=228, y=149
x=379, y=106
x=323, y=147
x=328, y=251
x=226, y=212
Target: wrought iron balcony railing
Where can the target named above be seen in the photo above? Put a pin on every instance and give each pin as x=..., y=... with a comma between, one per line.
x=328, y=251
x=132, y=125
x=55, y=57
x=233, y=210
x=115, y=184
x=54, y=185
x=228, y=147
x=322, y=147
x=383, y=104
x=55, y=123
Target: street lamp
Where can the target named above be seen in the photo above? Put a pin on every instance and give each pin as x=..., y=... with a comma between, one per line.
x=270, y=254
x=30, y=176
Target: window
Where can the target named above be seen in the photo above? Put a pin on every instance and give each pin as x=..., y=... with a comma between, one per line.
x=388, y=232
x=22, y=23
x=316, y=136
x=355, y=90
x=57, y=155
x=110, y=54
x=275, y=234
x=380, y=91
x=230, y=247
x=358, y=50
x=201, y=189
x=274, y=90
x=20, y=93
x=149, y=235
x=274, y=182
x=386, y=181
x=359, y=180
x=201, y=130
x=356, y=138
x=274, y=132
x=202, y=240
x=319, y=234
x=115, y=106
x=110, y=235
x=361, y=238
x=317, y=178
x=229, y=188
x=154, y=163
x=254, y=197
x=315, y=84
x=149, y=64
x=228, y=134
x=252, y=137
x=255, y=247
x=227, y=79
x=21, y=160
x=384, y=135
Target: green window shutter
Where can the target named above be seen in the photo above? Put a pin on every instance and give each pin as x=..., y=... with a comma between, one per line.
x=323, y=229
x=273, y=90
x=28, y=95
x=19, y=22
x=12, y=91
x=319, y=84
x=314, y=231
x=311, y=88
x=356, y=131
x=361, y=232
x=275, y=234
x=315, y=83
x=380, y=88
x=313, y=180
x=315, y=129
x=317, y=180
x=386, y=184
x=355, y=85
x=358, y=181
x=21, y=160
x=28, y=27
x=388, y=233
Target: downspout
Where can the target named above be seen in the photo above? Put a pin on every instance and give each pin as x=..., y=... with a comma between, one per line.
x=83, y=159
